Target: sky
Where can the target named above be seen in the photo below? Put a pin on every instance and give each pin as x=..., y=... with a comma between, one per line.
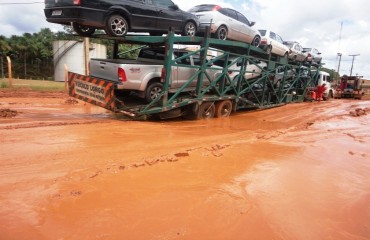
x=331, y=26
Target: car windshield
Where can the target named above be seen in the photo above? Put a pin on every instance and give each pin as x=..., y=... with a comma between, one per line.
x=289, y=44
x=202, y=8
x=263, y=32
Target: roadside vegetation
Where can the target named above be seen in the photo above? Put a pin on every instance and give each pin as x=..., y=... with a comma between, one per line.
x=35, y=85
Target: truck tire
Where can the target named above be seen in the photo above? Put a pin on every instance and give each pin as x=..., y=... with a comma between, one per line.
x=83, y=31
x=223, y=108
x=116, y=26
x=206, y=110
x=153, y=91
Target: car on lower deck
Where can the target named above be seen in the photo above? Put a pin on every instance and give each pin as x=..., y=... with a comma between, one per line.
x=117, y=17
x=272, y=42
x=226, y=23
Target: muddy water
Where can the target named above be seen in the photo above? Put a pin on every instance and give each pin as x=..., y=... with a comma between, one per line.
x=295, y=172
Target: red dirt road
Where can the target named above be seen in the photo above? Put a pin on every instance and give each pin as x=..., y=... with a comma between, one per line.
x=75, y=171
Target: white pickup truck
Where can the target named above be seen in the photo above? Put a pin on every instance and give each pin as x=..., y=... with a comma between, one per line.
x=143, y=75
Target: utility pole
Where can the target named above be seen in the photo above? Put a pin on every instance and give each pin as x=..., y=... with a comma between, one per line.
x=353, y=59
x=340, y=58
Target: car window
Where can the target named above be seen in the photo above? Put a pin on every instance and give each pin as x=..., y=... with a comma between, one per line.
x=163, y=3
x=242, y=18
x=272, y=35
x=290, y=44
x=156, y=54
x=278, y=38
x=202, y=8
x=230, y=13
x=262, y=32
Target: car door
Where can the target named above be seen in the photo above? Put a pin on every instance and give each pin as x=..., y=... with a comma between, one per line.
x=143, y=14
x=232, y=23
x=246, y=32
x=168, y=15
x=181, y=74
x=280, y=44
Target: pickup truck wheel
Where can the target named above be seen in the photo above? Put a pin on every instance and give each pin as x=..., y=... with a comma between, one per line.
x=153, y=91
x=222, y=33
x=189, y=29
x=206, y=110
x=223, y=108
x=83, y=30
x=116, y=26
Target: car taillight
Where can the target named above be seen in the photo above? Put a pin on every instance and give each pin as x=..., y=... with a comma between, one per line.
x=309, y=55
x=216, y=8
x=77, y=2
x=163, y=75
x=230, y=72
x=263, y=41
x=121, y=75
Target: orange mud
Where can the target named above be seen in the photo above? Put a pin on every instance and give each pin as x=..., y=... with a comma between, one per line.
x=73, y=171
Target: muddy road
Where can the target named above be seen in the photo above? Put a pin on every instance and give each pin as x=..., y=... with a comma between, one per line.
x=69, y=170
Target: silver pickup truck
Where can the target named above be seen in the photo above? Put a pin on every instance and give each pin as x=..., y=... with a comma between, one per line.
x=143, y=75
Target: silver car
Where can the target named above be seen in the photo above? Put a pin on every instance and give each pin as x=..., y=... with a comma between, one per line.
x=226, y=23
x=272, y=43
x=313, y=55
x=296, y=51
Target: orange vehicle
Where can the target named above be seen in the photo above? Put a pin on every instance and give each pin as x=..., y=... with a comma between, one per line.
x=350, y=87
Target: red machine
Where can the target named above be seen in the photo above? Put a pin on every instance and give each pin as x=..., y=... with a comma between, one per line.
x=350, y=87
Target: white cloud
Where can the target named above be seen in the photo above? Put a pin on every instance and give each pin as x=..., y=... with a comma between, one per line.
x=314, y=23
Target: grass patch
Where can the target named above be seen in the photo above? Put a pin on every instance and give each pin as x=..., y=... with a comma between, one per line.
x=36, y=85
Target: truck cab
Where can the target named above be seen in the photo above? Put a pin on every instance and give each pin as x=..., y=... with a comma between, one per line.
x=324, y=77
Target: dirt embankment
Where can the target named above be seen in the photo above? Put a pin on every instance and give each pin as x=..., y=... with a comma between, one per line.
x=69, y=170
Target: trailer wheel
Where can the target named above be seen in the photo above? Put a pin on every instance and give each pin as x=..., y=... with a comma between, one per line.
x=223, y=108
x=116, y=26
x=83, y=30
x=153, y=91
x=206, y=110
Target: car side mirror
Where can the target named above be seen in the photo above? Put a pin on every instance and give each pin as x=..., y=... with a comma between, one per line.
x=252, y=24
x=319, y=53
x=174, y=7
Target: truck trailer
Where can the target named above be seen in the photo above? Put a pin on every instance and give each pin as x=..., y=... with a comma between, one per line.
x=211, y=90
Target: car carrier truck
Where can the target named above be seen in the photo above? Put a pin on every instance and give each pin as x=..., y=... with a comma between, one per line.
x=202, y=94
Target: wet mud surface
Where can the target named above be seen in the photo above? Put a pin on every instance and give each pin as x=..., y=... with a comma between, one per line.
x=69, y=170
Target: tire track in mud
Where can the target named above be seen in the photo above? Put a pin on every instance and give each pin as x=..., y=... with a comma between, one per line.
x=48, y=124
x=215, y=150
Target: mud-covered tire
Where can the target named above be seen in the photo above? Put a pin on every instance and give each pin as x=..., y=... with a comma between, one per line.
x=153, y=91
x=223, y=108
x=116, y=26
x=83, y=31
x=190, y=29
x=222, y=33
x=206, y=110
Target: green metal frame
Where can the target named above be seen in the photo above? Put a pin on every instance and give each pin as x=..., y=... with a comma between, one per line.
x=258, y=92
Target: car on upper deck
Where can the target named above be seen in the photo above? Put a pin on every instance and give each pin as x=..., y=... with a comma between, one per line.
x=226, y=23
x=313, y=55
x=271, y=42
x=117, y=17
x=296, y=51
